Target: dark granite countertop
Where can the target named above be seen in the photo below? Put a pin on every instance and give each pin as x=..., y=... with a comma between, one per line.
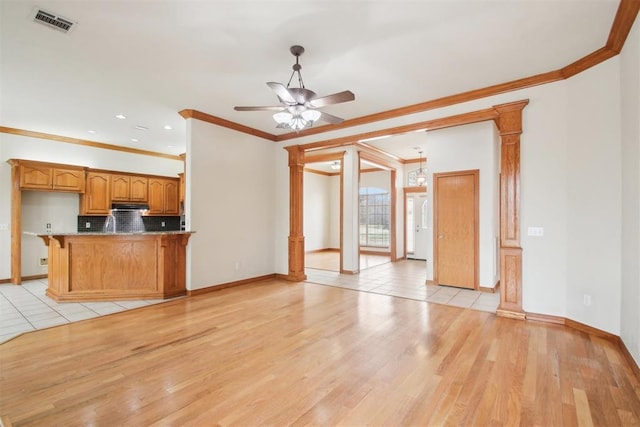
x=139, y=233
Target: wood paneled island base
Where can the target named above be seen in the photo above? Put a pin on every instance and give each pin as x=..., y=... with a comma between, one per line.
x=116, y=266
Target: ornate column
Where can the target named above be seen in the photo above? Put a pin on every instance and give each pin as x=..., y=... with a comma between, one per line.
x=296, y=230
x=510, y=126
x=16, y=224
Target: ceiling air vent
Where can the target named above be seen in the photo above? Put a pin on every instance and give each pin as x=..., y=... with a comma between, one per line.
x=54, y=21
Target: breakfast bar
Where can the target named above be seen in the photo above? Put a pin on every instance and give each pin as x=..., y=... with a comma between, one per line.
x=116, y=266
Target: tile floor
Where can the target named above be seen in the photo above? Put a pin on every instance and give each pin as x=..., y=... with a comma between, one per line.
x=26, y=308
x=405, y=279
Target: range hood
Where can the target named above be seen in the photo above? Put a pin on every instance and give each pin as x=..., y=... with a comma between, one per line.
x=129, y=206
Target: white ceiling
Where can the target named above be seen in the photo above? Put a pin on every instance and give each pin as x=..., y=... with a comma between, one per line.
x=150, y=59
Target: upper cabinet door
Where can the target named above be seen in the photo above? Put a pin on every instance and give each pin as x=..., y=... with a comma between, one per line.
x=120, y=189
x=68, y=180
x=35, y=177
x=156, y=196
x=97, y=198
x=171, y=203
x=139, y=189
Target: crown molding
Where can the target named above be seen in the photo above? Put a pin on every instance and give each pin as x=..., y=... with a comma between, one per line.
x=622, y=23
x=86, y=143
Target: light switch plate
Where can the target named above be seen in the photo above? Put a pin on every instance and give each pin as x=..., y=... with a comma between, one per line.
x=535, y=231
x=4, y=226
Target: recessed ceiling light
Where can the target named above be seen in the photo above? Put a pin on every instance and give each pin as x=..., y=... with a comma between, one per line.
x=91, y=131
x=141, y=127
x=121, y=116
x=134, y=140
x=167, y=127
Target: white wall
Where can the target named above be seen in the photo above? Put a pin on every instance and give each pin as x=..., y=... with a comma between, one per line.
x=20, y=147
x=630, y=290
x=231, y=196
x=466, y=148
x=317, y=205
x=594, y=196
x=334, y=212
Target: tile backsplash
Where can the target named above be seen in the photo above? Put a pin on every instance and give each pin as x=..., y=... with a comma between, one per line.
x=128, y=222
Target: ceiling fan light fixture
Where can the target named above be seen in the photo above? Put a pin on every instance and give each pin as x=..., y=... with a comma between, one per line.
x=311, y=115
x=298, y=122
x=299, y=102
x=282, y=117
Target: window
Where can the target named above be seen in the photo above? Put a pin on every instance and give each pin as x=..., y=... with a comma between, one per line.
x=374, y=217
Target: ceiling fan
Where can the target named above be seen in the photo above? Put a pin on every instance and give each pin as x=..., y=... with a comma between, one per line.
x=299, y=104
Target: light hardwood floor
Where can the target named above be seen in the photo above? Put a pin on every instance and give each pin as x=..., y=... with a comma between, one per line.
x=280, y=353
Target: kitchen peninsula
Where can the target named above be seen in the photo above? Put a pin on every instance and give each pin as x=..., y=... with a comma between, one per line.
x=116, y=266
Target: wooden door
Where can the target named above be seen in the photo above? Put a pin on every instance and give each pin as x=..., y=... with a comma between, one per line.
x=456, y=198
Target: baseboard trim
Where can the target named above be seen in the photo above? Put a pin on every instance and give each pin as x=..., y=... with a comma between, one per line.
x=366, y=252
x=558, y=320
x=25, y=278
x=214, y=288
x=546, y=318
x=510, y=314
x=314, y=251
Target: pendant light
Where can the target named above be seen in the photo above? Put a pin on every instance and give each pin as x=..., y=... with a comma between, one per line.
x=421, y=177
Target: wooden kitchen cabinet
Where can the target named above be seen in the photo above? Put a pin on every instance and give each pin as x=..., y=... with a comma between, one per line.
x=182, y=188
x=139, y=189
x=97, y=197
x=127, y=188
x=50, y=177
x=163, y=196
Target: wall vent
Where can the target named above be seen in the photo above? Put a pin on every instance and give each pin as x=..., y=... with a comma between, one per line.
x=54, y=21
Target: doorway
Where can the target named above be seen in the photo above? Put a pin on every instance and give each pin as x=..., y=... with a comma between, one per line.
x=322, y=212
x=416, y=220
x=456, y=228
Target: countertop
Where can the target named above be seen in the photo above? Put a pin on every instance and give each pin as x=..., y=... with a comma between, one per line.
x=139, y=233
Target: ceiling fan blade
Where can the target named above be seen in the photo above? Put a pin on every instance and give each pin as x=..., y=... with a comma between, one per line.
x=282, y=92
x=336, y=98
x=272, y=108
x=329, y=118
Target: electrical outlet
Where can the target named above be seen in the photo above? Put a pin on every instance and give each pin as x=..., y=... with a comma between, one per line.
x=237, y=265
x=587, y=300
x=44, y=262
x=87, y=225
x=162, y=224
